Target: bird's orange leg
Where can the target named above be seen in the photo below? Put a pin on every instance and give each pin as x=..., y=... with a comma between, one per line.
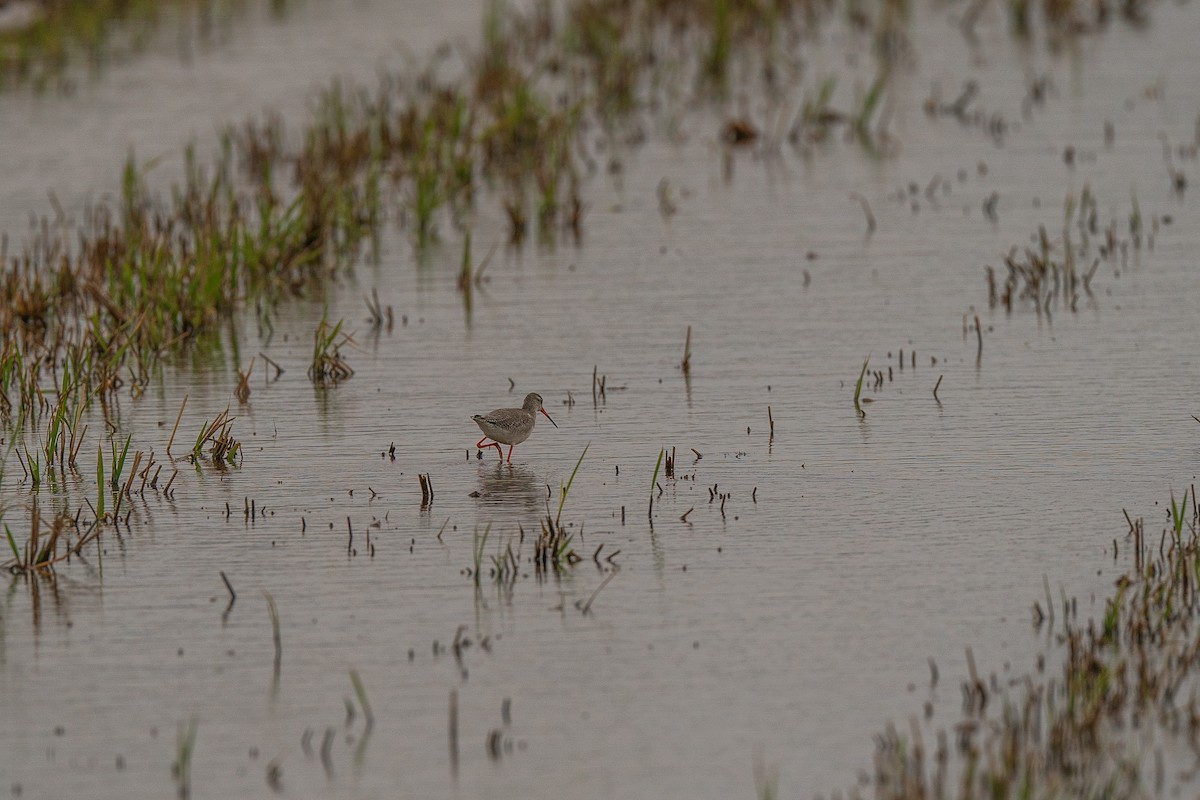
x=510, y=447
x=480, y=445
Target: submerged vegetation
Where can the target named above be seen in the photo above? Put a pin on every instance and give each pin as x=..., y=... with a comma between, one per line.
x=553, y=553
x=327, y=365
x=1124, y=693
x=43, y=41
x=1057, y=272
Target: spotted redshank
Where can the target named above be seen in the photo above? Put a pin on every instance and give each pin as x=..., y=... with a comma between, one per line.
x=510, y=426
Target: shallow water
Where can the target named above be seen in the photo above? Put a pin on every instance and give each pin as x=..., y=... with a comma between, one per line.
x=792, y=625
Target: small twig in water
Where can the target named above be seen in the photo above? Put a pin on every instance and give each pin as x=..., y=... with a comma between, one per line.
x=232, y=599
x=229, y=586
x=587, y=607
x=866, y=207
x=989, y=206
x=278, y=369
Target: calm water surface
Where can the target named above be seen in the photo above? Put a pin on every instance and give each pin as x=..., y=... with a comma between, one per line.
x=792, y=625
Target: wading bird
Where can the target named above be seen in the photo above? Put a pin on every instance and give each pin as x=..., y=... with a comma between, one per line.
x=510, y=426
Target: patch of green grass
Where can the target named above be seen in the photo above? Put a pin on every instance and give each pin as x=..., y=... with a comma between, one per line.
x=327, y=365
x=65, y=32
x=218, y=435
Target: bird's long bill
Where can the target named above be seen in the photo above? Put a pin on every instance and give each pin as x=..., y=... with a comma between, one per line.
x=552, y=422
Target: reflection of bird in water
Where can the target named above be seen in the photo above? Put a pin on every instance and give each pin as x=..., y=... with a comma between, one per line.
x=511, y=486
x=510, y=426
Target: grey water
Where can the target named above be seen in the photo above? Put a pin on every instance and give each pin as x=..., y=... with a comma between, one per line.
x=786, y=624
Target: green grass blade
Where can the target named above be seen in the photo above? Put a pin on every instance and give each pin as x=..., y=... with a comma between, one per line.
x=858, y=387
x=119, y=463
x=12, y=543
x=870, y=101
x=361, y=692
x=100, y=481
x=654, y=480
x=1177, y=513
x=562, y=495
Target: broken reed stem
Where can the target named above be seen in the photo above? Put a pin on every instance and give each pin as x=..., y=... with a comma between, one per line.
x=178, y=417
x=686, y=364
x=935, y=388
x=771, y=420
x=229, y=586
x=979, y=337
x=242, y=390
x=278, y=369
x=137, y=459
